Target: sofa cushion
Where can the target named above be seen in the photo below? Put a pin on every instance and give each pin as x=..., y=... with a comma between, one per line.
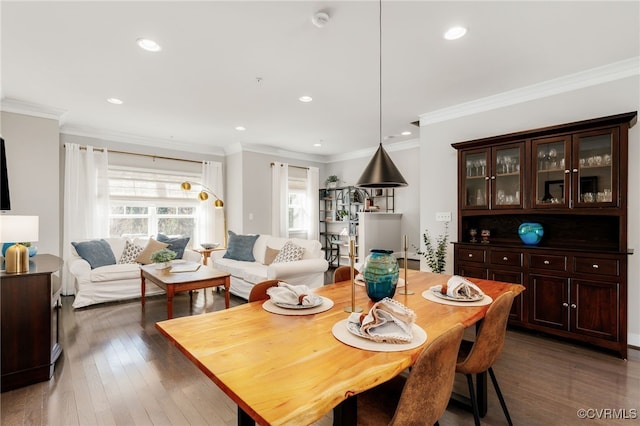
x=97, y=252
x=255, y=273
x=123, y=271
x=130, y=253
x=234, y=267
x=269, y=255
x=145, y=255
x=176, y=244
x=240, y=247
x=290, y=252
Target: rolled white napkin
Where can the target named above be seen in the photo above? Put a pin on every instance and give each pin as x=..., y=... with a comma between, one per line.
x=459, y=288
x=387, y=321
x=292, y=294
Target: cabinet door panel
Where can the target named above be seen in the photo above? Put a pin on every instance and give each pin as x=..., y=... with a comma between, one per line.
x=517, y=310
x=548, y=301
x=506, y=178
x=595, y=162
x=474, y=174
x=594, y=265
x=472, y=271
x=594, y=309
x=551, y=172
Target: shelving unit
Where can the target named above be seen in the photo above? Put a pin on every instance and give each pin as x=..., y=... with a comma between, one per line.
x=572, y=179
x=339, y=217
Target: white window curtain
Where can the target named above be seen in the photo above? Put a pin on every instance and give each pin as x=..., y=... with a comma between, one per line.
x=280, y=200
x=313, y=186
x=211, y=219
x=86, y=201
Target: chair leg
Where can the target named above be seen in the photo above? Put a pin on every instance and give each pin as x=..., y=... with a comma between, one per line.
x=474, y=401
x=502, y=403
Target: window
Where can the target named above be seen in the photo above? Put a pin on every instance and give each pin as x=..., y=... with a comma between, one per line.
x=144, y=202
x=298, y=207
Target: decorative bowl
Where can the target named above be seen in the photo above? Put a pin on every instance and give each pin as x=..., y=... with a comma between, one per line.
x=209, y=246
x=530, y=233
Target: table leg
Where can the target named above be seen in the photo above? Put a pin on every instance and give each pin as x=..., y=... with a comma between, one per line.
x=227, y=285
x=169, y=302
x=142, y=288
x=244, y=419
x=346, y=413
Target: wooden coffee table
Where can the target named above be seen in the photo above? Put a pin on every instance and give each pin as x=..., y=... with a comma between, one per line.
x=175, y=282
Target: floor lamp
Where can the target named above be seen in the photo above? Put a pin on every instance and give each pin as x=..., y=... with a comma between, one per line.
x=203, y=195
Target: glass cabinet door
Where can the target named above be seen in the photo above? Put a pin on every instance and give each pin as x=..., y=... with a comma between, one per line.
x=475, y=177
x=551, y=158
x=594, y=172
x=506, y=177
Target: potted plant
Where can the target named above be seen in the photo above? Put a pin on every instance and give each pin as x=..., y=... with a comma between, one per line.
x=436, y=256
x=162, y=258
x=332, y=182
x=343, y=214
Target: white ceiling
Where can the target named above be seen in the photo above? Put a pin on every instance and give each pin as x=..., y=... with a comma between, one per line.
x=71, y=56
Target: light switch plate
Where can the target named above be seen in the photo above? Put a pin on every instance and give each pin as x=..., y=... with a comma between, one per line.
x=443, y=217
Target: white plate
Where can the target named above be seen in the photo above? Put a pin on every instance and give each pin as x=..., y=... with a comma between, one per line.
x=437, y=293
x=291, y=306
x=341, y=331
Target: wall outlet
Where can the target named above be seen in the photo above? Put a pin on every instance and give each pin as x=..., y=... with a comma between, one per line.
x=443, y=217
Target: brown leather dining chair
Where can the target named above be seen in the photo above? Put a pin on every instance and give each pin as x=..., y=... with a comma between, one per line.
x=343, y=273
x=259, y=291
x=479, y=356
x=425, y=393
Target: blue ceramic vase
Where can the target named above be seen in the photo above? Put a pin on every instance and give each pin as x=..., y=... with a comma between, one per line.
x=380, y=273
x=530, y=233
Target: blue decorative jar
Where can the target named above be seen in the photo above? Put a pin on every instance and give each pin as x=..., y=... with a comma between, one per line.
x=380, y=273
x=530, y=233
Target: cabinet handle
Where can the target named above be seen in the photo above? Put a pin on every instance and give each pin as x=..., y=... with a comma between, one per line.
x=573, y=305
x=566, y=172
x=470, y=255
x=493, y=178
x=565, y=304
x=575, y=170
x=546, y=262
x=505, y=258
x=486, y=178
x=595, y=266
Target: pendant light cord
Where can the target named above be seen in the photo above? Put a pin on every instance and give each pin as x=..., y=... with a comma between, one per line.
x=380, y=68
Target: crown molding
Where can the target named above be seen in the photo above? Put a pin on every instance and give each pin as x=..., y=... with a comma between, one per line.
x=270, y=150
x=141, y=140
x=32, y=109
x=368, y=152
x=591, y=77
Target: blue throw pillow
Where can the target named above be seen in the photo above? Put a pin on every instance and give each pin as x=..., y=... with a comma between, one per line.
x=240, y=247
x=175, y=244
x=97, y=253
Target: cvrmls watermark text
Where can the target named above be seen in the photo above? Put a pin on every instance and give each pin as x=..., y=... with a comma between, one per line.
x=608, y=413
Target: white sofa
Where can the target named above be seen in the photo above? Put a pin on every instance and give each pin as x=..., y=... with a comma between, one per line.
x=244, y=275
x=112, y=282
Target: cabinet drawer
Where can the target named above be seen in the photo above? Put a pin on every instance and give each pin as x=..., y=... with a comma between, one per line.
x=471, y=255
x=594, y=265
x=550, y=262
x=508, y=258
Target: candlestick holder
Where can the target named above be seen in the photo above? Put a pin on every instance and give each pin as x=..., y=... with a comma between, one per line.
x=405, y=290
x=352, y=256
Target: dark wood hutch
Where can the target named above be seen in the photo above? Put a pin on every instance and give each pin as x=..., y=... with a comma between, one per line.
x=572, y=179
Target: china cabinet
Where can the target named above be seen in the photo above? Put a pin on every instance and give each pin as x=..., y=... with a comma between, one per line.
x=572, y=179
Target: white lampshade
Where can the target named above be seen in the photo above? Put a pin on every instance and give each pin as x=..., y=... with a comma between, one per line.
x=19, y=229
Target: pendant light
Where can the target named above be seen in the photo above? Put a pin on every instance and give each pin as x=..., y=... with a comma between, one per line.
x=381, y=172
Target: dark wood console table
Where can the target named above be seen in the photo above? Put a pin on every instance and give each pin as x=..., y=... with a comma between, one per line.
x=29, y=315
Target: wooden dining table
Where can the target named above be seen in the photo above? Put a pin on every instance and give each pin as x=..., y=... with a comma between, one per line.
x=291, y=370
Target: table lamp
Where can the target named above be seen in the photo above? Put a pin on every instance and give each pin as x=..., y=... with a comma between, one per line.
x=18, y=229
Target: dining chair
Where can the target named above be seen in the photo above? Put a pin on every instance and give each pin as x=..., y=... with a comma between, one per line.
x=422, y=397
x=343, y=273
x=259, y=291
x=479, y=356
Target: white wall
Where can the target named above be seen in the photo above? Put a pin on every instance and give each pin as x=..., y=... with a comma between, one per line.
x=438, y=162
x=33, y=169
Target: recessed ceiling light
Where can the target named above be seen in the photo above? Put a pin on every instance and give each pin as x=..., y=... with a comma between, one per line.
x=405, y=133
x=115, y=101
x=317, y=145
x=455, y=33
x=305, y=98
x=148, y=45
x=241, y=128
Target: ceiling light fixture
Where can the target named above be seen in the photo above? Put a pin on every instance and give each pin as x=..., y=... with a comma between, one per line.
x=305, y=99
x=241, y=128
x=455, y=33
x=381, y=172
x=148, y=45
x=405, y=133
x=317, y=145
x=320, y=19
x=115, y=101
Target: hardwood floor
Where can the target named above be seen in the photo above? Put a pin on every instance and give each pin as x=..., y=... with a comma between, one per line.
x=116, y=369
